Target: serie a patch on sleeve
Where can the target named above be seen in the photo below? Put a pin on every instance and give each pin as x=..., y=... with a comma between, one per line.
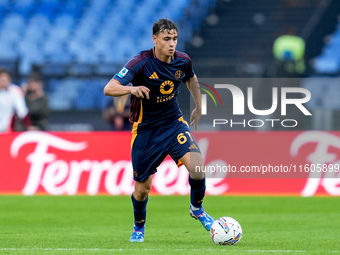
x=122, y=72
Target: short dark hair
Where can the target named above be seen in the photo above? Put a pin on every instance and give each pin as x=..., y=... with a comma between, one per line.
x=163, y=24
x=5, y=71
x=34, y=77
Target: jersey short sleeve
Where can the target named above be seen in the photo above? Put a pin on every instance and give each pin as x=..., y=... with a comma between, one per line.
x=126, y=75
x=189, y=73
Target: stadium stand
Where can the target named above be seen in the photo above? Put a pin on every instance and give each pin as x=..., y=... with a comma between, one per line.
x=83, y=31
x=85, y=37
x=240, y=44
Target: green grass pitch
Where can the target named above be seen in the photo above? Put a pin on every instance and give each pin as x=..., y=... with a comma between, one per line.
x=103, y=224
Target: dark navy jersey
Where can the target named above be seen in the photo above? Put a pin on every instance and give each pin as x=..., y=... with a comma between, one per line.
x=163, y=80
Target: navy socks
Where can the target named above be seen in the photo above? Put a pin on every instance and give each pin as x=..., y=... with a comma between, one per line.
x=139, y=211
x=197, y=191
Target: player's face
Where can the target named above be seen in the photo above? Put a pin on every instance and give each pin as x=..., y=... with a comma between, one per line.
x=5, y=80
x=165, y=42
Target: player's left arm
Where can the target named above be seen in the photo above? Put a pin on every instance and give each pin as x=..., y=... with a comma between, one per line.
x=193, y=87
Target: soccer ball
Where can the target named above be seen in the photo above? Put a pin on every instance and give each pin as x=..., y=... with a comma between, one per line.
x=226, y=231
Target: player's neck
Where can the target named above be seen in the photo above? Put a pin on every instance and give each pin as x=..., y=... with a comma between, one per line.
x=162, y=57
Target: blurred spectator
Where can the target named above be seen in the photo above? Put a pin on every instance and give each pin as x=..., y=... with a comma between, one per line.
x=36, y=101
x=117, y=113
x=11, y=103
x=289, y=51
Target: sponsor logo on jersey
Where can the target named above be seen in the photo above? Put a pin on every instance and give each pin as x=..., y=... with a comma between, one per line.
x=167, y=87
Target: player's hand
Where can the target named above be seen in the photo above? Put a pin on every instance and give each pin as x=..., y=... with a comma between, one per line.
x=140, y=91
x=195, y=117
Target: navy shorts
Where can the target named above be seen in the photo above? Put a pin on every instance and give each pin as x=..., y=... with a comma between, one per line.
x=150, y=148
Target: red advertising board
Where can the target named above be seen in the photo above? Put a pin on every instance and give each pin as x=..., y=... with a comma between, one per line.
x=242, y=163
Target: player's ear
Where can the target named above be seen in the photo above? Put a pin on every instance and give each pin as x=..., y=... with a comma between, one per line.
x=154, y=39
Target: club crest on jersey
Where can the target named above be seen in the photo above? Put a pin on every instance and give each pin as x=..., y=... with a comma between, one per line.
x=178, y=74
x=122, y=72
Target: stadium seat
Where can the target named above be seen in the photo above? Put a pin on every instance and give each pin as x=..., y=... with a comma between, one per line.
x=4, y=2
x=329, y=60
x=7, y=51
x=326, y=65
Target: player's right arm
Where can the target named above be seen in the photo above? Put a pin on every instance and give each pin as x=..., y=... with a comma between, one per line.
x=115, y=89
x=118, y=85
